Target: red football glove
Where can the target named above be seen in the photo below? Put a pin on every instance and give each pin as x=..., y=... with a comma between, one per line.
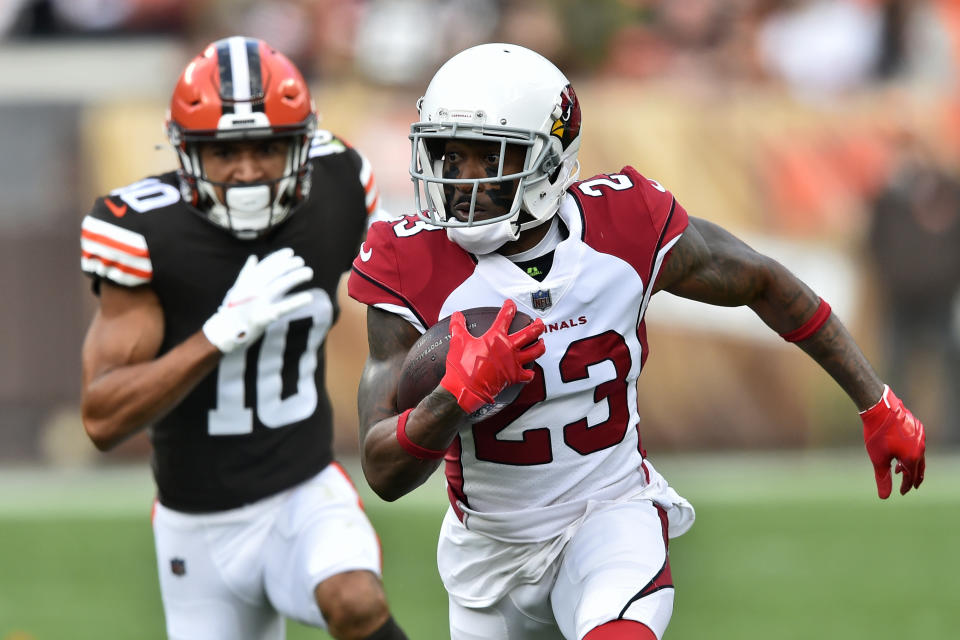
x=480, y=368
x=891, y=431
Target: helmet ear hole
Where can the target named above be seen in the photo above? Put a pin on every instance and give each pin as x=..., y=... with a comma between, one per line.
x=555, y=175
x=552, y=165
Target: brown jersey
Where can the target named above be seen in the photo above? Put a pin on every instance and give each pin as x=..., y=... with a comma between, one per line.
x=261, y=422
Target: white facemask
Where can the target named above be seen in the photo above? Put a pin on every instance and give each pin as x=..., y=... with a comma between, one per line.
x=483, y=239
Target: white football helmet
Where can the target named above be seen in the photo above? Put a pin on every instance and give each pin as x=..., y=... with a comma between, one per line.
x=506, y=94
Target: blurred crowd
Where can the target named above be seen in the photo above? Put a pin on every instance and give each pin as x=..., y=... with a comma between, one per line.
x=816, y=47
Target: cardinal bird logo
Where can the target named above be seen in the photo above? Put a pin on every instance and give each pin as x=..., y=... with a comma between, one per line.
x=567, y=126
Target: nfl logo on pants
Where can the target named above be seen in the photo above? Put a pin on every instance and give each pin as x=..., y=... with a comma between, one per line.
x=541, y=300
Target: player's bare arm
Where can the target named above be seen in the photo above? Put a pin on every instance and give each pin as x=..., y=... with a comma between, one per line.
x=711, y=265
x=391, y=471
x=125, y=387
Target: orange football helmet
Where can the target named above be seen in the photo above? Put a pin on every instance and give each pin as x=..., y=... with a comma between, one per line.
x=240, y=89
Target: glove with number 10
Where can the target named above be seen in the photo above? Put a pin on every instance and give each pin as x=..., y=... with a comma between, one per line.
x=891, y=431
x=480, y=368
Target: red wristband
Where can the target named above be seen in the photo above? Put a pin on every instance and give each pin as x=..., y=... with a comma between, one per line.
x=811, y=326
x=411, y=447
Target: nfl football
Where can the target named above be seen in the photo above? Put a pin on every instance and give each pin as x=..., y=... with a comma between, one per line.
x=426, y=362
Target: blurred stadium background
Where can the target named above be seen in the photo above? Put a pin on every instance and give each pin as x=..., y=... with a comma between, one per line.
x=824, y=132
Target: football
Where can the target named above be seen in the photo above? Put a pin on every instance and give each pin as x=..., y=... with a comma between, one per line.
x=426, y=362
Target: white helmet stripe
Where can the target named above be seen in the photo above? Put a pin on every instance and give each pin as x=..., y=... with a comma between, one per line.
x=240, y=72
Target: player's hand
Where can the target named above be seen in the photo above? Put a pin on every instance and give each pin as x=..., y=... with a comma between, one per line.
x=480, y=368
x=257, y=298
x=891, y=431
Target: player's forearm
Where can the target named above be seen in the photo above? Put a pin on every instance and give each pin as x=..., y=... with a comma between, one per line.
x=121, y=401
x=392, y=470
x=834, y=349
x=786, y=304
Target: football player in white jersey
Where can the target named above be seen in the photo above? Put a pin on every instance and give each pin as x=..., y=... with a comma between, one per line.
x=217, y=285
x=558, y=523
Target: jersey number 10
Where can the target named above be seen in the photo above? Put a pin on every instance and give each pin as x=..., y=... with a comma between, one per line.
x=231, y=415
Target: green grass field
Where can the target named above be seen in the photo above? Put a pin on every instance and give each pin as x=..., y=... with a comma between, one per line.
x=783, y=547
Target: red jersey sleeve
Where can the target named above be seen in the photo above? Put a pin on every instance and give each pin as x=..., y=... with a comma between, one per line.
x=631, y=217
x=375, y=278
x=667, y=218
x=408, y=263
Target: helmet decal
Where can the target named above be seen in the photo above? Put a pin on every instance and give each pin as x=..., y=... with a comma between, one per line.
x=567, y=126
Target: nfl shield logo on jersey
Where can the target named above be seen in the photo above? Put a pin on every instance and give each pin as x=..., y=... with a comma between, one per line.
x=178, y=566
x=541, y=300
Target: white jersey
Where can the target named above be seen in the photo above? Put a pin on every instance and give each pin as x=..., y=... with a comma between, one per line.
x=572, y=436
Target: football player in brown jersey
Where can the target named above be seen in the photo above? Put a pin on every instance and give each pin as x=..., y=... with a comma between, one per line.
x=217, y=286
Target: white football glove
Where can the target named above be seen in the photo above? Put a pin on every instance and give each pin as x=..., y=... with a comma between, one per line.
x=257, y=298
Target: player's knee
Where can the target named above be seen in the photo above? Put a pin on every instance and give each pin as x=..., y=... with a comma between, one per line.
x=353, y=604
x=621, y=630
